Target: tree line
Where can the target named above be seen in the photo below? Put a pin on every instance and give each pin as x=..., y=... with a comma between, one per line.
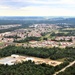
x=53, y=53
x=68, y=71
x=30, y=68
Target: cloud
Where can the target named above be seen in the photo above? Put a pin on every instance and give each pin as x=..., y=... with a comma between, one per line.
x=50, y=3
x=37, y=11
x=4, y=7
x=37, y=7
x=43, y=1
x=68, y=2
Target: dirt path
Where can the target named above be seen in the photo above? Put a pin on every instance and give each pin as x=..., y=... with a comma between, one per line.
x=64, y=68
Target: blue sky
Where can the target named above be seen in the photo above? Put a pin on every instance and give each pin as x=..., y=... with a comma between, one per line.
x=37, y=7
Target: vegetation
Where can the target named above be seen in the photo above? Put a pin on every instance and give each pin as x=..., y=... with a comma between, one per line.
x=29, y=68
x=27, y=39
x=15, y=37
x=26, y=68
x=62, y=40
x=10, y=29
x=64, y=32
x=68, y=71
x=53, y=53
x=59, y=34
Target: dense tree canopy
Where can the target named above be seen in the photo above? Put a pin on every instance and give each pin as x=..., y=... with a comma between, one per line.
x=30, y=68
x=52, y=53
x=68, y=71
x=27, y=39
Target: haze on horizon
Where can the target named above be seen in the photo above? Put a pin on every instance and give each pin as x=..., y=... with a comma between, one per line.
x=37, y=7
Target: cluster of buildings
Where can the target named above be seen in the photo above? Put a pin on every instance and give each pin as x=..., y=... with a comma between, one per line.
x=50, y=43
x=66, y=38
x=44, y=28
x=35, y=30
x=52, y=26
x=9, y=26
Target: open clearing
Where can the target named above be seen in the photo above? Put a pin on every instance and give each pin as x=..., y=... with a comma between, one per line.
x=14, y=59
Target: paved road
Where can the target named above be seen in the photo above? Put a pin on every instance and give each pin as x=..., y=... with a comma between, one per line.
x=64, y=68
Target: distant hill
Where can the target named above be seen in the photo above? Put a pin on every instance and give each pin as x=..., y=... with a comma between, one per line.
x=22, y=18
x=26, y=21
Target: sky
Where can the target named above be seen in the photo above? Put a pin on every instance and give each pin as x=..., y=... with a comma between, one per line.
x=37, y=7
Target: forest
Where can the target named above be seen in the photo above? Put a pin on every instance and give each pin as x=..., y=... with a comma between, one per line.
x=27, y=39
x=71, y=33
x=68, y=71
x=29, y=68
x=53, y=53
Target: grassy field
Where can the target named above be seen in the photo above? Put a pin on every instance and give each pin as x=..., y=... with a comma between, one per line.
x=1, y=43
x=69, y=29
x=61, y=60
